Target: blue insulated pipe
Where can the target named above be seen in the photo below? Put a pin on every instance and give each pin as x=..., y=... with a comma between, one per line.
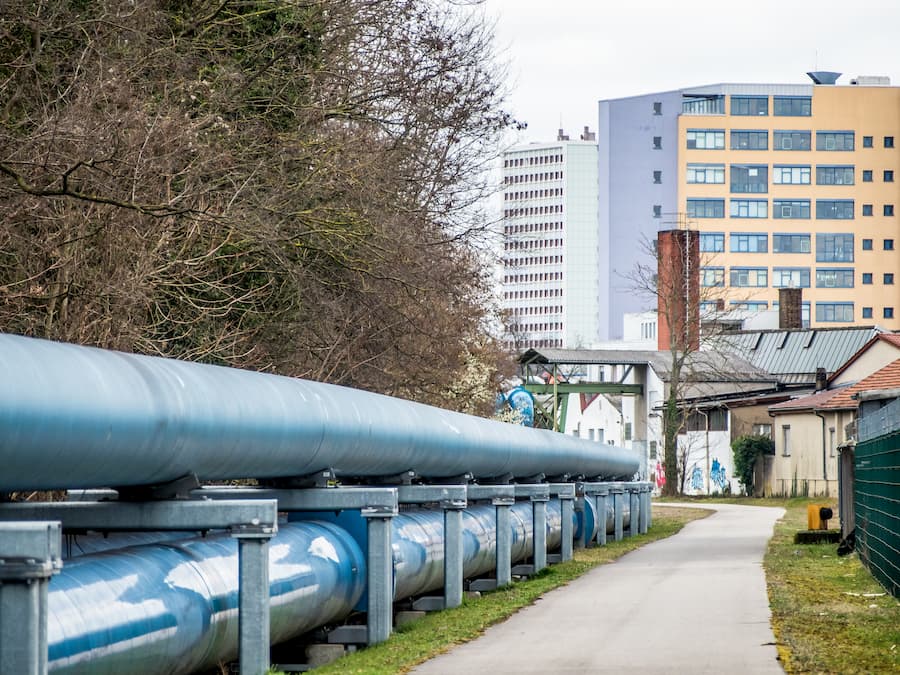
x=79, y=417
x=171, y=608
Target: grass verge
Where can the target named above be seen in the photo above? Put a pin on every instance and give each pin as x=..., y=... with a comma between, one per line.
x=440, y=631
x=828, y=614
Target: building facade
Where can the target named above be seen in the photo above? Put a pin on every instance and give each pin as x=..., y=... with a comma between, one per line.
x=550, y=289
x=790, y=186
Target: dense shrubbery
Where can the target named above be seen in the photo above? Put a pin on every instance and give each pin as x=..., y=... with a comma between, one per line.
x=747, y=450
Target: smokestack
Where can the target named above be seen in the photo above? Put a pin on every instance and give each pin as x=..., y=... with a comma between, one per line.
x=821, y=379
x=678, y=290
x=790, y=308
x=562, y=136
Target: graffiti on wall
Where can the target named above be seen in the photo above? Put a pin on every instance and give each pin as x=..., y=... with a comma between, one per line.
x=696, y=479
x=717, y=475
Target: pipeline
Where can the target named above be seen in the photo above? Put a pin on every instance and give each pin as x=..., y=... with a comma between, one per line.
x=172, y=607
x=79, y=417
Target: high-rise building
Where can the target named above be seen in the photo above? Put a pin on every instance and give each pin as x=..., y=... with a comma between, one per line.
x=789, y=186
x=550, y=257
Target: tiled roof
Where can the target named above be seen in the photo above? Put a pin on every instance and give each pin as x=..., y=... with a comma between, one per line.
x=842, y=398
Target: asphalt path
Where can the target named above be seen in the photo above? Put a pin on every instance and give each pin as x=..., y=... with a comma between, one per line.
x=693, y=603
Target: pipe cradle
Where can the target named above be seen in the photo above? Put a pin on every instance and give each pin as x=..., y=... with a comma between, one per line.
x=588, y=518
x=80, y=417
x=172, y=607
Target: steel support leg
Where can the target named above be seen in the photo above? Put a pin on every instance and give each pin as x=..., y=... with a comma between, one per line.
x=253, y=599
x=618, y=506
x=634, y=498
x=539, y=539
x=601, y=519
x=29, y=556
x=568, y=512
x=644, y=522
x=504, y=545
x=453, y=557
x=381, y=580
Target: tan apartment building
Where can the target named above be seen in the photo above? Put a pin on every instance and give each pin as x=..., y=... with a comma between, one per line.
x=796, y=186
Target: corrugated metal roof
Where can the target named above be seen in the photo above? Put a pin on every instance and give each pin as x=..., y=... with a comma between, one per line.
x=792, y=353
x=842, y=398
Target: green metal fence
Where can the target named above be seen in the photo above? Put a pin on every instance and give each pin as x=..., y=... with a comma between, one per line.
x=876, y=495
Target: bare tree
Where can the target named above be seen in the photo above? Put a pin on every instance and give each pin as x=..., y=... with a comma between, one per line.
x=276, y=184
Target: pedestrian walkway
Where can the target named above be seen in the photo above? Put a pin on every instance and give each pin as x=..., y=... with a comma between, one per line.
x=692, y=603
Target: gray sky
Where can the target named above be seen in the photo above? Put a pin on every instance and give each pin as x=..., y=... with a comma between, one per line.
x=565, y=55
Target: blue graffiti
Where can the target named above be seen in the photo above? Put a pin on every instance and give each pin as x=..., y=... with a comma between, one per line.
x=718, y=475
x=696, y=479
x=520, y=400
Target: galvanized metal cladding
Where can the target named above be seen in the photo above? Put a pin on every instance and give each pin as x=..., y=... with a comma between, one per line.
x=79, y=417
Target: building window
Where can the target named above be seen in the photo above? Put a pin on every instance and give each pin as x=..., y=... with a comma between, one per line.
x=867, y=312
x=867, y=141
x=749, y=277
x=790, y=243
x=888, y=313
x=867, y=175
x=866, y=278
x=749, y=140
x=888, y=279
x=712, y=242
x=834, y=312
x=712, y=276
x=867, y=209
x=888, y=209
x=657, y=142
x=706, y=208
x=749, y=178
x=657, y=177
x=791, y=175
x=866, y=244
x=834, y=140
x=657, y=210
x=749, y=242
x=792, y=140
x=834, y=278
x=762, y=430
x=749, y=305
x=888, y=244
x=706, y=139
x=792, y=106
x=706, y=173
x=749, y=208
x=653, y=450
x=750, y=105
x=834, y=247
x=657, y=107
x=888, y=176
x=703, y=105
x=790, y=277
x=786, y=440
x=834, y=175
x=834, y=209
x=790, y=208
x=889, y=141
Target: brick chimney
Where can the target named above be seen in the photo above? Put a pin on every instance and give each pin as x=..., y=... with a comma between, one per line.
x=678, y=289
x=790, y=308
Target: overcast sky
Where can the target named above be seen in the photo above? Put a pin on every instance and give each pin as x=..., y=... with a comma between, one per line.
x=565, y=55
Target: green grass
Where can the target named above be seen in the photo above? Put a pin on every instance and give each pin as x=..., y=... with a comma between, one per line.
x=821, y=615
x=439, y=631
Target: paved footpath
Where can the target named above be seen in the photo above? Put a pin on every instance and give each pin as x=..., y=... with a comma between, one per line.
x=692, y=603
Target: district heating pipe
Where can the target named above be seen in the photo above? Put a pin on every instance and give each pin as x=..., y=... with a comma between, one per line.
x=171, y=608
x=79, y=417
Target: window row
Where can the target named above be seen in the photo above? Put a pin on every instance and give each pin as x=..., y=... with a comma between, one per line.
x=531, y=344
x=754, y=177
x=782, y=209
x=531, y=161
x=530, y=311
x=533, y=194
x=536, y=327
x=786, y=277
x=532, y=211
x=758, y=139
x=714, y=104
x=526, y=278
x=527, y=295
x=532, y=177
x=535, y=260
x=829, y=247
x=532, y=244
x=532, y=227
